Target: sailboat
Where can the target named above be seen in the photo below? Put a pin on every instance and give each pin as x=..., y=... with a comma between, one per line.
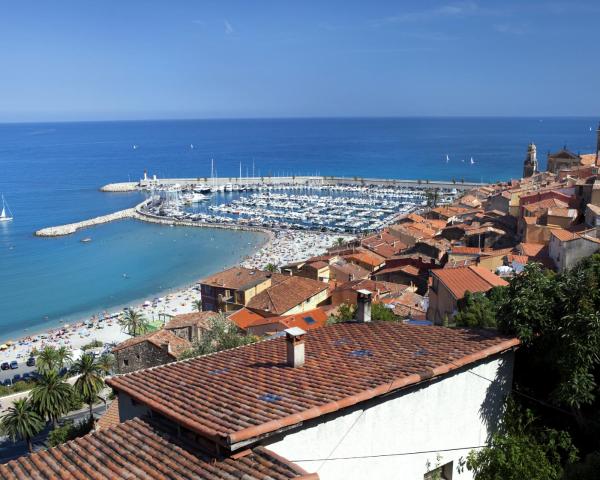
x=472, y=161
x=6, y=214
x=447, y=158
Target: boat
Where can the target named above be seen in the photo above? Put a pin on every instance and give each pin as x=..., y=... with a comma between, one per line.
x=447, y=158
x=6, y=214
x=472, y=161
x=85, y=240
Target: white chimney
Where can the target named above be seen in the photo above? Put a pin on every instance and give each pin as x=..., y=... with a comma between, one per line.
x=295, y=346
x=363, y=312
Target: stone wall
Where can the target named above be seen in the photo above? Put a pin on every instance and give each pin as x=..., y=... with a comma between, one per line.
x=141, y=355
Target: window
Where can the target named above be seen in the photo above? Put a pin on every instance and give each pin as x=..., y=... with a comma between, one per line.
x=443, y=472
x=126, y=362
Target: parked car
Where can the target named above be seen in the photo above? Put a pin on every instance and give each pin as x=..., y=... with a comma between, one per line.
x=5, y=366
x=16, y=378
x=27, y=376
x=7, y=382
x=14, y=365
x=31, y=362
x=63, y=371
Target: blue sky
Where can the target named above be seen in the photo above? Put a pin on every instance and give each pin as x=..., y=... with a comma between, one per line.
x=87, y=60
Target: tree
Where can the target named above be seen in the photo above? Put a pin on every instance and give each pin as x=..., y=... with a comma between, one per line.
x=106, y=362
x=21, y=422
x=89, y=383
x=345, y=313
x=270, y=268
x=222, y=334
x=134, y=323
x=340, y=242
x=379, y=312
x=51, y=396
x=51, y=358
x=197, y=304
x=479, y=310
x=522, y=449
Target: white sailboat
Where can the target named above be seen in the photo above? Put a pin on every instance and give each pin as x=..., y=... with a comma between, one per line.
x=6, y=214
x=472, y=161
x=447, y=158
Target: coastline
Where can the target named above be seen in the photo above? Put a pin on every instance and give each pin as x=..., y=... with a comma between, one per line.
x=277, y=248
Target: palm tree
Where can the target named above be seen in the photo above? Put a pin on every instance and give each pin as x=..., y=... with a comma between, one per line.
x=51, y=396
x=271, y=268
x=47, y=360
x=63, y=357
x=197, y=304
x=106, y=362
x=21, y=422
x=134, y=323
x=89, y=383
x=340, y=242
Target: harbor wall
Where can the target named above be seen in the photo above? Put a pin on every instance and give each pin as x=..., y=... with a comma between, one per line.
x=297, y=180
x=73, y=227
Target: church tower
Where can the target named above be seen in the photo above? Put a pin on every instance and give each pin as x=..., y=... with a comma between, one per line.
x=530, y=165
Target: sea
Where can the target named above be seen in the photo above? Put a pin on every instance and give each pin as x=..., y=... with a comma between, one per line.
x=50, y=174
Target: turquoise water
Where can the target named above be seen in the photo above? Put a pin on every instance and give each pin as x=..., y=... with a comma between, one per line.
x=50, y=175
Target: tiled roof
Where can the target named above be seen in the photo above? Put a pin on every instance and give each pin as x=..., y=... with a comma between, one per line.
x=177, y=344
x=531, y=249
x=522, y=259
x=366, y=257
x=249, y=391
x=348, y=268
x=458, y=250
x=563, y=235
x=472, y=279
x=286, y=294
x=110, y=418
x=237, y=278
x=194, y=319
x=244, y=317
x=375, y=286
x=588, y=159
x=143, y=448
x=309, y=320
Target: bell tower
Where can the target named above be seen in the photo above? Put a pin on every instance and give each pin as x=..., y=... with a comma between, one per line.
x=530, y=165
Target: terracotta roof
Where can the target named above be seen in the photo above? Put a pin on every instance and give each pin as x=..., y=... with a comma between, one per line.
x=458, y=250
x=348, y=268
x=408, y=269
x=546, y=204
x=243, y=318
x=375, y=286
x=563, y=235
x=194, y=319
x=531, y=249
x=522, y=259
x=367, y=257
x=177, y=344
x=110, y=418
x=588, y=159
x=286, y=294
x=149, y=449
x=237, y=278
x=309, y=320
x=318, y=265
x=246, y=392
x=473, y=279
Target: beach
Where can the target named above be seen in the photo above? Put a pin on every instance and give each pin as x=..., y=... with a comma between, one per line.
x=282, y=247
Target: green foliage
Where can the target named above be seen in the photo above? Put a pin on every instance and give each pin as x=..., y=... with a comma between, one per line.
x=51, y=396
x=92, y=344
x=197, y=304
x=51, y=358
x=479, y=310
x=106, y=362
x=89, y=382
x=20, y=386
x=68, y=431
x=271, y=268
x=586, y=470
x=379, y=312
x=222, y=334
x=345, y=313
x=21, y=422
x=522, y=449
x=134, y=323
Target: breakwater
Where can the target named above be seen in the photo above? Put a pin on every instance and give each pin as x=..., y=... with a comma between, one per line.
x=70, y=228
x=120, y=187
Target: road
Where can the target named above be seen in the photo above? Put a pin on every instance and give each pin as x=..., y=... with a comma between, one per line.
x=10, y=450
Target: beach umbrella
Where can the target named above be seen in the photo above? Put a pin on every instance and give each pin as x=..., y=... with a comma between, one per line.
x=4, y=346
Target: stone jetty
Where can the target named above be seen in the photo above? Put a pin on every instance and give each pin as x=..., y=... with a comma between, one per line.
x=120, y=187
x=73, y=227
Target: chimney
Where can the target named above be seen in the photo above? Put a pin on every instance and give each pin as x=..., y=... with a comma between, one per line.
x=363, y=313
x=294, y=339
x=166, y=346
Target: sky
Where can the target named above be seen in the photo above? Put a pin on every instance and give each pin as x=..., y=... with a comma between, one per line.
x=69, y=60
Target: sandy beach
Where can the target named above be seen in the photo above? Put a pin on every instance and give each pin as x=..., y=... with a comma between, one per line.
x=283, y=247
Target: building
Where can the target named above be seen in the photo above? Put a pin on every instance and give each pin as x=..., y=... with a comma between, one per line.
x=288, y=296
x=344, y=271
x=563, y=159
x=190, y=325
x=352, y=391
x=348, y=292
x=449, y=286
x=530, y=166
x=315, y=270
x=568, y=248
x=307, y=321
x=150, y=350
x=234, y=288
